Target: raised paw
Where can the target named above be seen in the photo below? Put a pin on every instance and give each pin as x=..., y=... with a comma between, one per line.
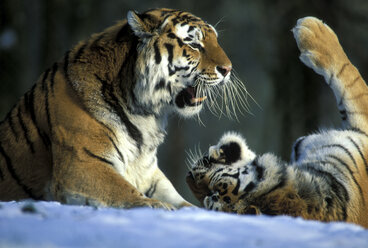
x=231, y=148
x=319, y=46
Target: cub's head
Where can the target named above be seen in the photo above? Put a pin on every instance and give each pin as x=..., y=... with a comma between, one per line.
x=228, y=170
x=180, y=64
x=232, y=178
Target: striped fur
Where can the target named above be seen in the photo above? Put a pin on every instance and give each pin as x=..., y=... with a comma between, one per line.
x=88, y=130
x=326, y=178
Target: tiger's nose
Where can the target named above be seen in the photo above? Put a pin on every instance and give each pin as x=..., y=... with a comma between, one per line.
x=223, y=70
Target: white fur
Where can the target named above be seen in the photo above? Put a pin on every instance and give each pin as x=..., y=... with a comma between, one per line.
x=246, y=155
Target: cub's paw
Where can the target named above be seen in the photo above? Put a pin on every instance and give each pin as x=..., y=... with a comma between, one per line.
x=213, y=202
x=200, y=191
x=231, y=148
x=319, y=46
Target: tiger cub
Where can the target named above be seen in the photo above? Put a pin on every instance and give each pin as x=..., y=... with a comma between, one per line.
x=326, y=178
x=88, y=130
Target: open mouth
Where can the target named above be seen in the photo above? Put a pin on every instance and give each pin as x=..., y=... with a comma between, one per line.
x=187, y=97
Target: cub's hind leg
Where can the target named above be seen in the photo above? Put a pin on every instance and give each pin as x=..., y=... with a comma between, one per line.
x=320, y=49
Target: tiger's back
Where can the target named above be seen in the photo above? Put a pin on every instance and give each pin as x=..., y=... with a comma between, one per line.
x=25, y=174
x=28, y=130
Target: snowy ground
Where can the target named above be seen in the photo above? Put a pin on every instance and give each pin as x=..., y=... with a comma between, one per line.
x=49, y=224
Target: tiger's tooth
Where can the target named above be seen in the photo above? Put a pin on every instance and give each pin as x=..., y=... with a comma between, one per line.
x=198, y=99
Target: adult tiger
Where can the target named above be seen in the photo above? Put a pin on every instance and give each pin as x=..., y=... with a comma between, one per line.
x=326, y=178
x=88, y=130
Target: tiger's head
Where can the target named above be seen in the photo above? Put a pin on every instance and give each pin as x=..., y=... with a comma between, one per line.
x=180, y=64
x=224, y=168
x=231, y=177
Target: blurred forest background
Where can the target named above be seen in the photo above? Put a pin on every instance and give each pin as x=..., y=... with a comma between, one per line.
x=293, y=100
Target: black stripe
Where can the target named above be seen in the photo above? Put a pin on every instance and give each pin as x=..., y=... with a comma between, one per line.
x=171, y=35
x=170, y=50
x=25, y=131
x=297, y=147
x=259, y=169
x=1, y=174
x=157, y=53
x=14, y=175
x=342, y=69
x=360, y=152
x=344, y=149
x=45, y=75
x=191, y=71
x=47, y=108
x=350, y=172
x=354, y=81
x=335, y=186
x=168, y=88
x=235, y=191
x=52, y=78
x=185, y=54
x=236, y=175
x=160, y=84
x=280, y=184
x=96, y=47
x=121, y=158
x=31, y=109
x=79, y=53
x=249, y=187
x=343, y=114
x=9, y=117
x=355, y=129
x=218, y=170
x=113, y=102
x=152, y=189
x=89, y=153
x=66, y=66
x=340, y=191
x=214, y=174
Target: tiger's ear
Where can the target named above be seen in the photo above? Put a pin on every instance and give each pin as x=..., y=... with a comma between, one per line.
x=140, y=28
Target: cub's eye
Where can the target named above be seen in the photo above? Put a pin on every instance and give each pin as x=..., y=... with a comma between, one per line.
x=196, y=46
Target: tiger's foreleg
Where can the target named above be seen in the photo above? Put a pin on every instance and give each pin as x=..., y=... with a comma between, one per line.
x=163, y=190
x=320, y=50
x=79, y=180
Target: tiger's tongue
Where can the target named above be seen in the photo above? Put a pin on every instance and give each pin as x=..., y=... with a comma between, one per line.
x=194, y=99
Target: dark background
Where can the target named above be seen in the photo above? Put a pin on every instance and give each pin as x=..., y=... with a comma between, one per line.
x=255, y=34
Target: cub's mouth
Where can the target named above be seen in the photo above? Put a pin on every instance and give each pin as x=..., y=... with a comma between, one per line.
x=187, y=97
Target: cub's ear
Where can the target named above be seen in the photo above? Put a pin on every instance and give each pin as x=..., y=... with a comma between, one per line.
x=140, y=27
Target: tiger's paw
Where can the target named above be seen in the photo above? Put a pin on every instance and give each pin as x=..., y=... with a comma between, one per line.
x=319, y=46
x=151, y=203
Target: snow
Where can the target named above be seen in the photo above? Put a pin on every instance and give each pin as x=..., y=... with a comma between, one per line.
x=50, y=224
